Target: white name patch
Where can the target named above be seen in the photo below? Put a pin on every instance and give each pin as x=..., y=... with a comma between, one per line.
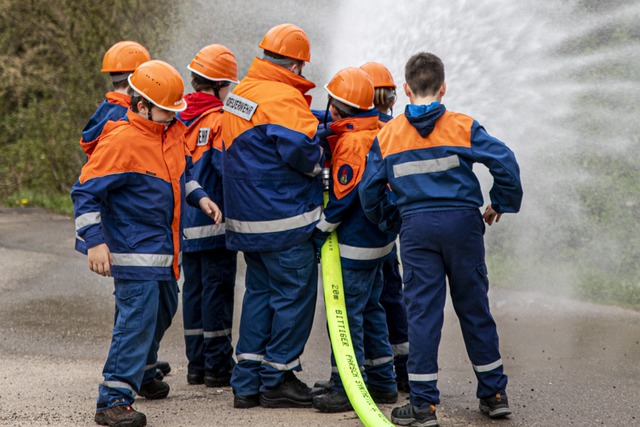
x=240, y=106
x=203, y=136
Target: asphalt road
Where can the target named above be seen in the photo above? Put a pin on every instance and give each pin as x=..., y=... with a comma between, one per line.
x=569, y=363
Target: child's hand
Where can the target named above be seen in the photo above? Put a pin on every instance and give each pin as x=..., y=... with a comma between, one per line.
x=100, y=259
x=209, y=207
x=490, y=215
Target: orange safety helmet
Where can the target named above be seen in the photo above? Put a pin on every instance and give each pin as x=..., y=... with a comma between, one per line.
x=352, y=86
x=379, y=74
x=124, y=57
x=287, y=40
x=215, y=62
x=159, y=83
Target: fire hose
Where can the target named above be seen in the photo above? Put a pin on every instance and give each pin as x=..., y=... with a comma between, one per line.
x=338, y=326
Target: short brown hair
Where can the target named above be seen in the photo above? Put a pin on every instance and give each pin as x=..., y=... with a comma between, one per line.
x=424, y=73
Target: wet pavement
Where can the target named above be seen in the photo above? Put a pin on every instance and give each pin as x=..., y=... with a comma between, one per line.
x=569, y=363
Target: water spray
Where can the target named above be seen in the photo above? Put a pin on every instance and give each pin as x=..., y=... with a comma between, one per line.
x=338, y=326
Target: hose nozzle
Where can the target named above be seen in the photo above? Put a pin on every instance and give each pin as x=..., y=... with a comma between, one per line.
x=326, y=174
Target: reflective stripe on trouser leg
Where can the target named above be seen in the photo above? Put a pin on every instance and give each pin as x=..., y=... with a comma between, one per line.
x=469, y=285
x=424, y=292
x=292, y=281
x=378, y=353
x=167, y=307
x=192, y=312
x=134, y=326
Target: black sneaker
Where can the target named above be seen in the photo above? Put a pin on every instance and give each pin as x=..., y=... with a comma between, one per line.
x=496, y=406
x=416, y=416
x=220, y=380
x=121, y=415
x=333, y=401
x=383, y=397
x=154, y=390
x=291, y=393
x=246, y=402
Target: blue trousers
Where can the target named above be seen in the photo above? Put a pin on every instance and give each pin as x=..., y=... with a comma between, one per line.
x=207, y=310
x=144, y=311
x=436, y=246
x=277, y=315
x=368, y=328
x=392, y=300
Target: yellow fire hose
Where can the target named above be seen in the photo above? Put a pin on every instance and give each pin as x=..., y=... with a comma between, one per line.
x=340, y=336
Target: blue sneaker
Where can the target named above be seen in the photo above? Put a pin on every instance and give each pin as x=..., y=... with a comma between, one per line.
x=496, y=406
x=415, y=416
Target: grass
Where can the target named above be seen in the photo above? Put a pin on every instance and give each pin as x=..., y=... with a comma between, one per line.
x=59, y=203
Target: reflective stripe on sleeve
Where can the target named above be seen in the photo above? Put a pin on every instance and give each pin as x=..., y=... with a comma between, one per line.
x=89, y=218
x=142, y=260
x=190, y=186
x=327, y=226
x=363, y=254
x=275, y=225
x=400, y=349
x=426, y=166
x=203, y=231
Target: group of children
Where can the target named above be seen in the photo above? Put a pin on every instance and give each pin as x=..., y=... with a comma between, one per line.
x=177, y=181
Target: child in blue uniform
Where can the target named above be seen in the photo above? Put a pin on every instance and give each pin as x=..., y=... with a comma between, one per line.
x=426, y=157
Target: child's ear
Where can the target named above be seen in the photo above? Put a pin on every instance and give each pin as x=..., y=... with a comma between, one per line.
x=443, y=90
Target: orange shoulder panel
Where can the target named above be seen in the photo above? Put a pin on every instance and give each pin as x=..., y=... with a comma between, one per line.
x=452, y=129
x=124, y=149
x=349, y=160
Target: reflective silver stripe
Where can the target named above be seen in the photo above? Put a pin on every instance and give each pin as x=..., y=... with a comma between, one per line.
x=79, y=238
x=423, y=377
x=400, y=349
x=190, y=186
x=216, y=334
x=426, y=166
x=148, y=367
x=142, y=260
x=250, y=356
x=379, y=361
x=87, y=219
x=192, y=332
x=203, y=231
x=283, y=366
x=316, y=170
x=327, y=226
x=117, y=384
x=275, y=225
x=489, y=367
x=363, y=254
